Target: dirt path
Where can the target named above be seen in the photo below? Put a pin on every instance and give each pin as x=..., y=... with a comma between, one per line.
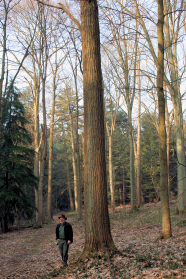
x=31, y=253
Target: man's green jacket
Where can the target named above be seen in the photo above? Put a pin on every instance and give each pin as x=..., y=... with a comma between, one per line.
x=67, y=230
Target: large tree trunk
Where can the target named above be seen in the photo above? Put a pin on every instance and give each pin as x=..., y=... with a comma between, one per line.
x=97, y=224
x=166, y=225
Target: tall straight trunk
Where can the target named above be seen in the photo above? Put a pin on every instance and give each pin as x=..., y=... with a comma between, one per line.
x=112, y=187
x=43, y=68
x=36, y=145
x=50, y=155
x=42, y=162
x=76, y=141
x=97, y=225
x=4, y=50
x=173, y=85
x=168, y=127
x=79, y=185
x=73, y=158
x=129, y=98
x=36, y=131
x=174, y=88
x=138, y=182
x=166, y=225
x=132, y=176
x=180, y=148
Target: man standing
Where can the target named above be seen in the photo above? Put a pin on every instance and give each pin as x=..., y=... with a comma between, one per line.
x=64, y=236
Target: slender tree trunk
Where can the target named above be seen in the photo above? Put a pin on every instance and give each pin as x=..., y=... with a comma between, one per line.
x=5, y=219
x=166, y=225
x=50, y=156
x=132, y=176
x=97, y=224
x=112, y=187
x=79, y=184
x=36, y=144
x=42, y=163
x=181, y=166
x=139, y=141
x=168, y=126
x=171, y=37
x=73, y=159
x=44, y=57
x=171, y=47
x=68, y=182
x=124, y=185
x=76, y=142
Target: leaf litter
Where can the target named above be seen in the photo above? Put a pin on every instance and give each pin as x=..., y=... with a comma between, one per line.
x=32, y=254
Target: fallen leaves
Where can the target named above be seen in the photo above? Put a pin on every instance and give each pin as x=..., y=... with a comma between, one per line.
x=33, y=254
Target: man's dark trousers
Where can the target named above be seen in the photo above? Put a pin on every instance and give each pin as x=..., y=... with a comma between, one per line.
x=63, y=249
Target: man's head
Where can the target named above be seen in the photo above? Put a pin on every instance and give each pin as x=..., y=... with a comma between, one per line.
x=62, y=218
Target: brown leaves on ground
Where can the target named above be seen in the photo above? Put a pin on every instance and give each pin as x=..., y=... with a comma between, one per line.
x=33, y=253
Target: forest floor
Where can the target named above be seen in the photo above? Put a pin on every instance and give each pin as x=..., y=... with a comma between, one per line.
x=30, y=253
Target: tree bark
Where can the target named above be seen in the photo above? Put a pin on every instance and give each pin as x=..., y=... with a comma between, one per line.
x=50, y=155
x=173, y=85
x=174, y=88
x=138, y=182
x=73, y=158
x=112, y=186
x=166, y=225
x=43, y=67
x=97, y=225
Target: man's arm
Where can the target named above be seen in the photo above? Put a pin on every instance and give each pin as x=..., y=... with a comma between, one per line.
x=70, y=235
x=57, y=232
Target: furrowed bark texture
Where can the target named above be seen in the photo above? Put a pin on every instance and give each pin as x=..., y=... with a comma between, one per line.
x=97, y=224
x=166, y=225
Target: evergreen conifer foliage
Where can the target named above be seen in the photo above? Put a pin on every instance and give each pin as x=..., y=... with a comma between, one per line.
x=15, y=163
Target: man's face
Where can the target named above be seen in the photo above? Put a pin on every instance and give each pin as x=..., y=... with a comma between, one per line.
x=62, y=220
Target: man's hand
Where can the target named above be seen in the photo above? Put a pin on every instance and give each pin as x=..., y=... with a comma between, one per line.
x=68, y=242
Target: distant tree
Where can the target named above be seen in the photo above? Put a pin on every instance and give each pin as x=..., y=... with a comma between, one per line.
x=15, y=163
